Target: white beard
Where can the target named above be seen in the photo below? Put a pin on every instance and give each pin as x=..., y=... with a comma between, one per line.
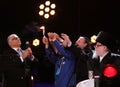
x=94, y=55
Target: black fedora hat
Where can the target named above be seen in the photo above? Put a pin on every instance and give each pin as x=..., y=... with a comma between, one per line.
x=106, y=38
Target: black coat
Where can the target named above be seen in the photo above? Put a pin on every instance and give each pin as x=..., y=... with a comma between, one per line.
x=82, y=56
x=16, y=73
x=99, y=67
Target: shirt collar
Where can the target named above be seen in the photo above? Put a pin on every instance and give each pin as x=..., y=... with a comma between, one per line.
x=15, y=49
x=101, y=57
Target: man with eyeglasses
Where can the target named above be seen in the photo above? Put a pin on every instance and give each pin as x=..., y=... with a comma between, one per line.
x=16, y=64
x=106, y=65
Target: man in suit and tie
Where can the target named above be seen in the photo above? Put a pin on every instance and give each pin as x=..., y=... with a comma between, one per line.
x=16, y=64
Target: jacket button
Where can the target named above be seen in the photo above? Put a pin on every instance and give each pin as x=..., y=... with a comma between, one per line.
x=22, y=77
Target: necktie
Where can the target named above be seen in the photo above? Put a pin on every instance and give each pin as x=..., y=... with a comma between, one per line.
x=20, y=53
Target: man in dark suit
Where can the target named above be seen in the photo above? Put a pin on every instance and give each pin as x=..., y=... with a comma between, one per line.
x=83, y=53
x=16, y=64
x=106, y=65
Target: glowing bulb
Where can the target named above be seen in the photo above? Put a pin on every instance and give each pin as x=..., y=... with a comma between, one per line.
x=41, y=13
x=47, y=9
x=47, y=3
x=53, y=6
x=93, y=39
x=52, y=12
x=41, y=6
x=46, y=16
x=32, y=78
x=36, y=42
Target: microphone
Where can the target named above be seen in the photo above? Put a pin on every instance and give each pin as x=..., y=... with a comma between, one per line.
x=27, y=44
x=31, y=55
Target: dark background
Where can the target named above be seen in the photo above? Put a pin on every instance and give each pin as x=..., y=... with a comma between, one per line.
x=73, y=17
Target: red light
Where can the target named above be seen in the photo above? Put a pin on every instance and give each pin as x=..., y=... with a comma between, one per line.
x=110, y=71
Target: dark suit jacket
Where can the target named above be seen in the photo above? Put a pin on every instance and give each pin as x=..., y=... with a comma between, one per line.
x=16, y=73
x=82, y=56
x=98, y=68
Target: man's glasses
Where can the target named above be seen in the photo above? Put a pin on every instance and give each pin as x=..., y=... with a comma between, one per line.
x=15, y=38
x=98, y=45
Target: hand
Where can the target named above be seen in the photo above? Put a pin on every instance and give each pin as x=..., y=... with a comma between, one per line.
x=64, y=36
x=67, y=39
x=51, y=36
x=45, y=40
x=58, y=37
x=27, y=53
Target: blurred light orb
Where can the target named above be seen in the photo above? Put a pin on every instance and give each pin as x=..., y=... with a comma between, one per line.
x=47, y=3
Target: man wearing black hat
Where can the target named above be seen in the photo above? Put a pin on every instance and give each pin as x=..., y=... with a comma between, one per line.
x=107, y=64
